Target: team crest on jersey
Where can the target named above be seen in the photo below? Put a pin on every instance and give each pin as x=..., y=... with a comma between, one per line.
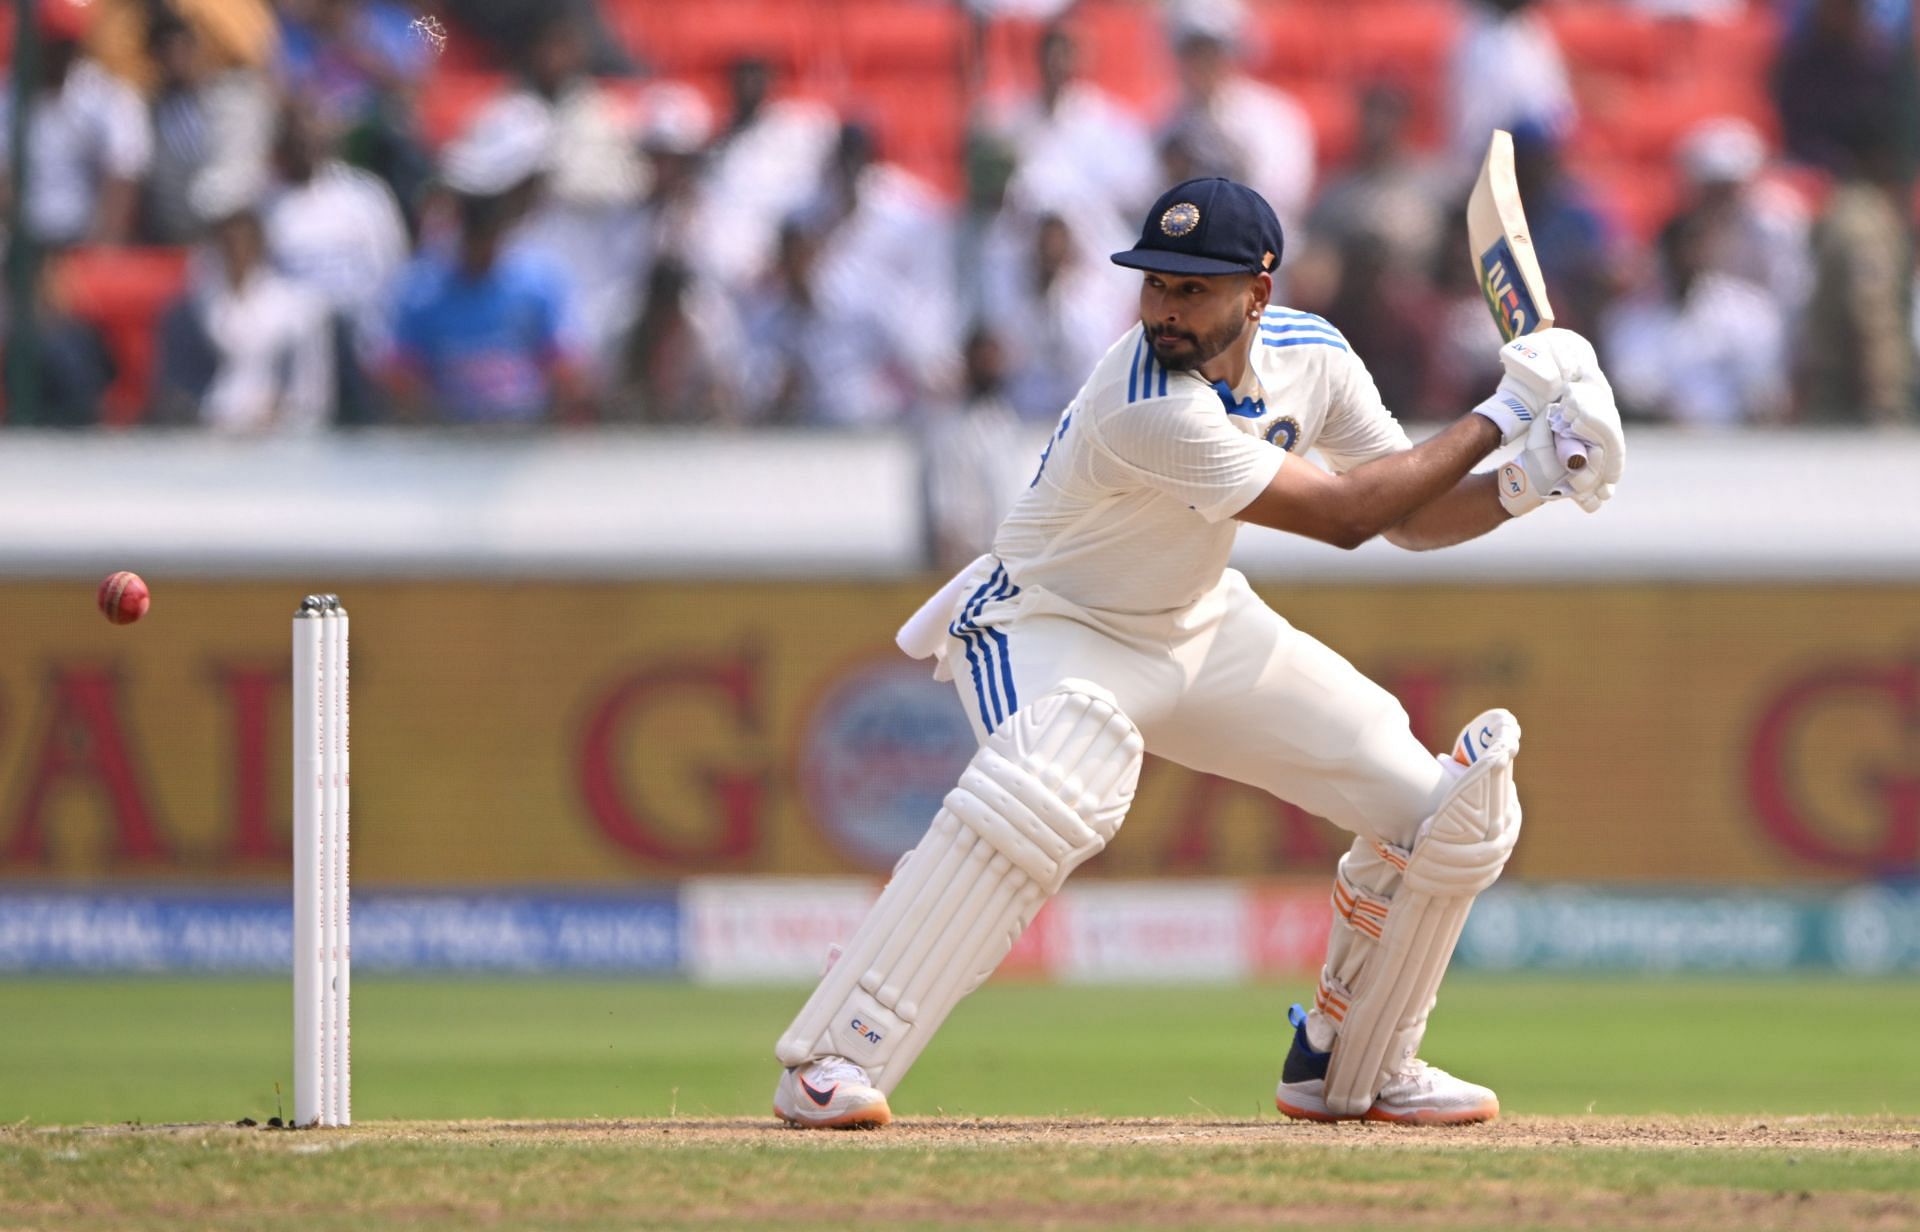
x=1180, y=219
x=1285, y=432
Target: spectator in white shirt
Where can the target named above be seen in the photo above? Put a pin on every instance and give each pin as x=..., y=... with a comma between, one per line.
x=1054, y=307
x=1074, y=139
x=1505, y=71
x=1759, y=230
x=1701, y=348
x=887, y=239
x=263, y=341
x=1265, y=134
x=337, y=231
x=210, y=119
x=88, y=140
x=814, y=358
x=763, y=166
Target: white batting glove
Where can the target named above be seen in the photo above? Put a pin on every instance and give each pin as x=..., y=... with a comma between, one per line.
x=1537, y=474
x=1588, y=417
x=1533, y=382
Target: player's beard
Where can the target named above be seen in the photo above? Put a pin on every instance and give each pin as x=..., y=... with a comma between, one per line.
x=1188, y=351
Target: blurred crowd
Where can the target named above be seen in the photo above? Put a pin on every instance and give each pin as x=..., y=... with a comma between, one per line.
x=599, y=242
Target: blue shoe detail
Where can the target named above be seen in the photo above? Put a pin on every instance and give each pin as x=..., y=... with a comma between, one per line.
x=1303, y=1063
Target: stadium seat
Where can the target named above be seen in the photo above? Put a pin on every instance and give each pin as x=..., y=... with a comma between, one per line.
x=448, y=101
x=122, y=292
x=1609, y=37
x=919, y=121
x=888, y=36
x=681, y=38
x=1124, y=47
x=1334, y=111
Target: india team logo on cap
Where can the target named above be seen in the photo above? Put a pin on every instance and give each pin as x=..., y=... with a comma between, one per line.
x=1180, y=219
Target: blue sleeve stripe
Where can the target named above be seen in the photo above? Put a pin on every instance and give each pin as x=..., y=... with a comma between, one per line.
x=1133, y=374
x=962, y=628
x=1305, y=340
x=1302, y=327
x=1163, y=381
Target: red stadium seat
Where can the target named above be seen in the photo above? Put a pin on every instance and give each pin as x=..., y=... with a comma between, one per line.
x=682, y=38
x=1334, y=111
x=448, y=102
x=1124, y=49
x=918, y=120
x=122, y=292
x=1403, y=38
x=889, y=36
x=1610, y=38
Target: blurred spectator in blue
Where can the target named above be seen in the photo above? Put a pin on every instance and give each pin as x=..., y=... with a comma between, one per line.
x=1701, y=346
x=1054, y=307
x=88, y=139
x=210, y=119
x=682, y=354
x=766, y=163
x=1845, y=65
x=1505, y=71
x=1574, y=240
x=72, y=366
x=1756, y=230
x=1073, y=139
x=337, y=231
x=887, y=240
x=1389, y=193
x=356, y=63
x=815, y=361
x=1253, y=127
x=1856, y=342
x=584, y=220
x=979, y=457
x=247, y=349
x=483, y=332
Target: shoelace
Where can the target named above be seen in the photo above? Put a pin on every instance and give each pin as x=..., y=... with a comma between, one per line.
x=837, y=1069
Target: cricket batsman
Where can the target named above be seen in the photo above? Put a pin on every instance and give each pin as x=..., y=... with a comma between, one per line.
x=1105, y=622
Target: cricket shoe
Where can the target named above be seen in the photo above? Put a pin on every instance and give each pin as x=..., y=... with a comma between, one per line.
x=830, y=1093
x=1419, y=1094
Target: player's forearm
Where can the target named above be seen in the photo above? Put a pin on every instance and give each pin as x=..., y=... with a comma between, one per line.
x=1387, y=492
x=1347, y=510
x=1468, y=511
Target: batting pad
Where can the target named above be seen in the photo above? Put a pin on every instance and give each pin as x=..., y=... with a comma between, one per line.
x=1460, y=853
x=1046, y=791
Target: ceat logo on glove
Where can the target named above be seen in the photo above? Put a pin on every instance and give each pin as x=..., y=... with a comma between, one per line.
x=1521, y=348
x=1514, y=478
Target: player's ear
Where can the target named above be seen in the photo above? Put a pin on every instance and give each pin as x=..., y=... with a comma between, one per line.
x=1259, y=293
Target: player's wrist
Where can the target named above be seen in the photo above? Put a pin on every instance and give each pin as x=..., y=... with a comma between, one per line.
x=1508, y=414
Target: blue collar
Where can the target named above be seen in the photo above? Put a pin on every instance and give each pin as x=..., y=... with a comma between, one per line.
x=1248, y=407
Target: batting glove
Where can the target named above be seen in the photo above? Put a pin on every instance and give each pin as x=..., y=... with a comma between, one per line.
x=1537, y=474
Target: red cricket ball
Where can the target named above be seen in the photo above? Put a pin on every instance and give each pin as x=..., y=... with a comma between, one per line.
x=124, y=598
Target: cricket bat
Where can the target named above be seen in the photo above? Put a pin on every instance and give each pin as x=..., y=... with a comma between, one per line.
x=1504, y=262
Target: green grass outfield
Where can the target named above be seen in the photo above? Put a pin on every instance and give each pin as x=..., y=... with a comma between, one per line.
x=1798, y=1105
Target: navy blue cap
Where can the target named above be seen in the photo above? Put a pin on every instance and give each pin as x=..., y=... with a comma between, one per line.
x=1207, y=226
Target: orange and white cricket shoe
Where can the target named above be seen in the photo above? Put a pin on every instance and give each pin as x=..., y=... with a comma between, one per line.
x=1420, y=1094
x=830, y=1093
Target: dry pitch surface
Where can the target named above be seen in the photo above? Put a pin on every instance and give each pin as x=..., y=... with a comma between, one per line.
x=1519, y=1173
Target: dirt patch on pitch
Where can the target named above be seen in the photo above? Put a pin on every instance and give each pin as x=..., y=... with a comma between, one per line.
x=1723, y=1133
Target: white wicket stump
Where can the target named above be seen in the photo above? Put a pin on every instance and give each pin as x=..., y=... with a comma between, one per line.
x=322, y=955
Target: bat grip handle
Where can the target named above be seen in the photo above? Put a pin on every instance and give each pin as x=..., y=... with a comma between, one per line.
x=1572, y=451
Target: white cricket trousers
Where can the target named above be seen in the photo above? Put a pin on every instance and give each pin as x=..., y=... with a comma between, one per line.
x=1224, y=686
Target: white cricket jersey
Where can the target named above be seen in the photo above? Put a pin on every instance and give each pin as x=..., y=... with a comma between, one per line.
x=1133, y=505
